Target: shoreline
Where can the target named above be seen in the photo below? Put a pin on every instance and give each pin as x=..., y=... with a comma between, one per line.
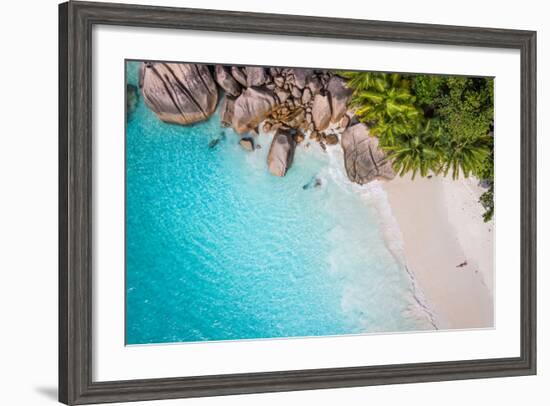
x=441, y=228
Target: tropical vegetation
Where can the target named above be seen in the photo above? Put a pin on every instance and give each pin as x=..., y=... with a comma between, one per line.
x=430, y=124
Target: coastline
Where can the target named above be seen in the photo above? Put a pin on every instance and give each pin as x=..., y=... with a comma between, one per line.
x=441, y=260
x=441, y=227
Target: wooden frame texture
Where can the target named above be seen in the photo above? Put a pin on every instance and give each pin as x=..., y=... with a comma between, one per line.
x=76, y=20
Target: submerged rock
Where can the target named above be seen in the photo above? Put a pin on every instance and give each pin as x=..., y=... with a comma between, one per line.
x=339, y=97
x=363, y=159
x=321, y=112
x=179, y=93
x=212, y=144
x=226, y=81
x=252, y=107
x=281, y=152
x=132, y=98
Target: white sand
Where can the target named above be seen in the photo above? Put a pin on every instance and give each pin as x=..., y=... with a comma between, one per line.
x=441, y=225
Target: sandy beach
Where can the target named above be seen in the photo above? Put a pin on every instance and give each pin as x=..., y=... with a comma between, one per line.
x=442, y=227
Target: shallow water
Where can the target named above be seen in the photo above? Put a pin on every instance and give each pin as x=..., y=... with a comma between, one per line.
x=219, y=249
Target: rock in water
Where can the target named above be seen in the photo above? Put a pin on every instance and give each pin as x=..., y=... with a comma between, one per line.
x=227, y=110
x=321, y=112
x=363, y=159
x=299, y=137
x=255, y=76
x=226, y=81
x=339, y=97
x=252, y=107
x=213, y=143
x=281, y=152
x=247, y=143
x=131, y=99
x=179, y=93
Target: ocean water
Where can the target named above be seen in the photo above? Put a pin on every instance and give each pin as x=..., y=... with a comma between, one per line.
x=219, y=249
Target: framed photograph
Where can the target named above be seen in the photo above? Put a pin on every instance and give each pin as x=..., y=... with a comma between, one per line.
x=260, y=202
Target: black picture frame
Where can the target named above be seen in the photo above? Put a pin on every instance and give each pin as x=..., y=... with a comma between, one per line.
x=76, y=20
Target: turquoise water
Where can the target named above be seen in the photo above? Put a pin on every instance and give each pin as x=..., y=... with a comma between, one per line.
x=219, y=249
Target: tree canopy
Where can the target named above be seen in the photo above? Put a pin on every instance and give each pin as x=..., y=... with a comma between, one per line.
x=430, y=123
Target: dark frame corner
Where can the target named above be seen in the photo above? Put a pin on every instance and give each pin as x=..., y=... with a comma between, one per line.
x=76, y=20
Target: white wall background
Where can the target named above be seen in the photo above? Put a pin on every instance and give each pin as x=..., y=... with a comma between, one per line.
x=28, y=201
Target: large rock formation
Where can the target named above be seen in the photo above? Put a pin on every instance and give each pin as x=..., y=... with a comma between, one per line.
x=321, y=112
x=339, y=97
x=226, y=81
x=238, y=75
x=251, y=108
x=301, y=76
x=314, y=85
x=227, y=109
x=363, y=159
x=281, y=152
x=255, y=76
x=298, y=100
x=179, y=93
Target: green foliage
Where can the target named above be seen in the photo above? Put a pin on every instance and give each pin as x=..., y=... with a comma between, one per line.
x=487, y=198
x=464, y=107
x=419, y=151
x=384, y=101
x=465, y=154
x=427, y=88
x=429, y=123
x=488, y=203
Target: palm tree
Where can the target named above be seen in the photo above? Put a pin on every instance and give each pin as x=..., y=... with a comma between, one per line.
x=385, y=102
x=419, y=151
x=466, y=154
